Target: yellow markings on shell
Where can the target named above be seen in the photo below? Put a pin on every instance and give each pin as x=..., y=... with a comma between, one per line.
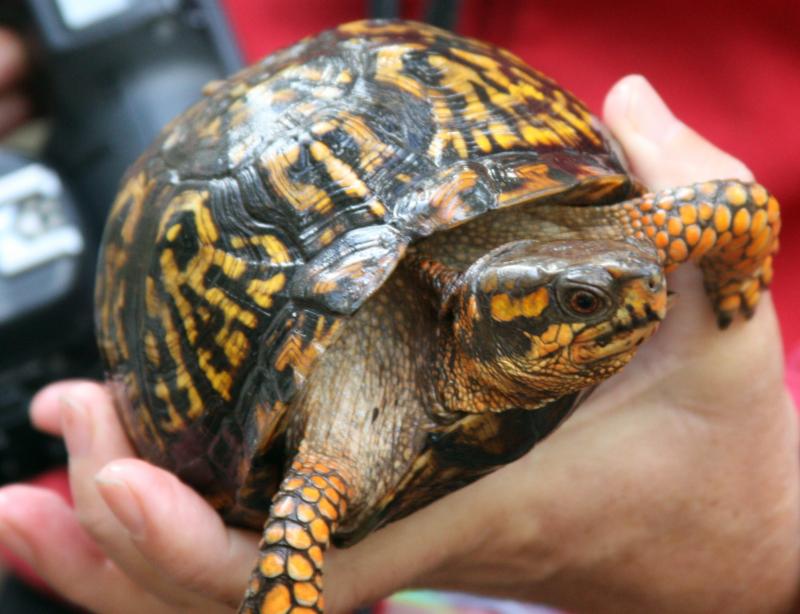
x=538, y=136
x=232, y=310
x=341, y=172
x=482, y=141
x=389, y=68
x=175, y=422
x=534, y=177
x=234, y=344
x=344, y=77
x=284, y=95
x=211, y=130
x=301, y=196
x=505, y=308
x=476, y=58
x=220, y=380
x=151, y=348
x=373, y=152
x=445, y=137
x=262, y=291
x=173, y=232
x=301, y=355
x=172, y=279
x=446, y=201
x=327, y=236
x=132, y=197
x=580, y=121
x=277, y=601
x=151, y=299
x=377, y=208
x=327, y=92
x=503, y=135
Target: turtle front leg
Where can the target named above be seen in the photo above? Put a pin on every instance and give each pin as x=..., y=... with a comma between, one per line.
x=729, y=227
x=305, y=512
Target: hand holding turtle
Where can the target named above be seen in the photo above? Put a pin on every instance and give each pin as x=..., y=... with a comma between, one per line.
x=685, y=447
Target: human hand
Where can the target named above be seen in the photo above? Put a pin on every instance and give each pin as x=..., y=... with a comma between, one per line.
x=674, y=488
x=15, y=107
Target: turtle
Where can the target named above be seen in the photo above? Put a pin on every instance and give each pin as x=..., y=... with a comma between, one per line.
x=377, y=265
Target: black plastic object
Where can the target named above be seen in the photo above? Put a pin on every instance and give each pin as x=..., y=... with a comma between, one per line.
x=118, y=71
x=112, y=74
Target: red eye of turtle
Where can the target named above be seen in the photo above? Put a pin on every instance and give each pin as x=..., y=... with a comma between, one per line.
x=584, y=302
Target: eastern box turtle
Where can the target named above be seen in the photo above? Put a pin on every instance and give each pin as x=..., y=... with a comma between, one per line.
x=374, y=267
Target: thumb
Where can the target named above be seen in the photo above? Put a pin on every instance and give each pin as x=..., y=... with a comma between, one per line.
x=662, y=150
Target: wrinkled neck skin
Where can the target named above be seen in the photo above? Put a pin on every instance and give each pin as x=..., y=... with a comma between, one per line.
x=468, y=384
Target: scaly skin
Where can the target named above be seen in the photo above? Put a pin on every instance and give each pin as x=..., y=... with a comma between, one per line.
x=730, y=228
x=305, y=513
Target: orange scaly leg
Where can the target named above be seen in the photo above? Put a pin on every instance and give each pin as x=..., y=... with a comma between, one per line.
x=305, y=512
x=729, y=227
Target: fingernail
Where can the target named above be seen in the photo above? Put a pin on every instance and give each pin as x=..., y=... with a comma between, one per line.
x=76, y=426
x=120, y=498
x=11, y=538
x=648, y=113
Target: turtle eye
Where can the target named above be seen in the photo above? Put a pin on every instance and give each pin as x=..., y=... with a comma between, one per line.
x=583, y=302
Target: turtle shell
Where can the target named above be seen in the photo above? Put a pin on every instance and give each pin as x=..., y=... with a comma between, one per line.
x=270, y=211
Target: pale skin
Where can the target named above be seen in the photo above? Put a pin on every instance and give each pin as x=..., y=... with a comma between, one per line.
x=675, y=488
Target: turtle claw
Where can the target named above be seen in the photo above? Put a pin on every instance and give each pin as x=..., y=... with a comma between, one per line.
x=737, y=296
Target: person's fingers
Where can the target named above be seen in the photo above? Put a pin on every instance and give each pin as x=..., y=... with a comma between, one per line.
x=13, y=59
x=663, y=151
x=45, y=410
x=94, y=437
x=177, y=531
x=40, y=528
x=15, y=108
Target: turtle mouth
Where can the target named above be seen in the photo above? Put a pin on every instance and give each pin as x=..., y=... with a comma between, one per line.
x=620, y=336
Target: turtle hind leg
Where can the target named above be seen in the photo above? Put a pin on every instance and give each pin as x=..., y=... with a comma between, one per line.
x=305, y=512
x=729, y=227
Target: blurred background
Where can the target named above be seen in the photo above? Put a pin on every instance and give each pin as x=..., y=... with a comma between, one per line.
x=86, y=84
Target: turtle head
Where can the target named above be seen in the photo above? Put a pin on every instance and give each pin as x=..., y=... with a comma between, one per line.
x=535, y=320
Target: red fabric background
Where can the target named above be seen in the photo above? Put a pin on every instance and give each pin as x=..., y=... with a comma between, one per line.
x=731, y=70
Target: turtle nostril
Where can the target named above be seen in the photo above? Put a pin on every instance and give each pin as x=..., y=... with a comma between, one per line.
x=654, y=283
